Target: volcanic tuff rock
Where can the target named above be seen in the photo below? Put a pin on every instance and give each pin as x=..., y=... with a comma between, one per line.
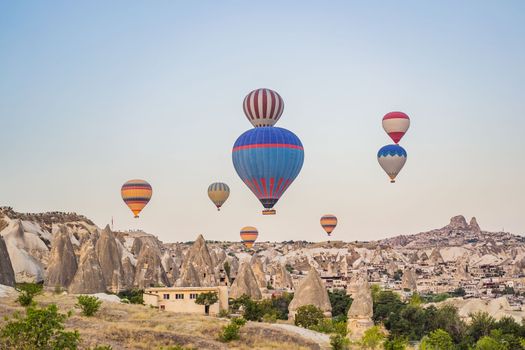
x=258, y=271
x=7, y=275
x=199, y=257
x=149, y=271
x=245, y=283
x=128, y=271
x=89, y=278
x=409, y=280
x=360, y=312
x=473, y=226
x=109, y=258
x=436, y=258
x=312, y=291
x=458, y=222
x=62, y=265
x=280, y=278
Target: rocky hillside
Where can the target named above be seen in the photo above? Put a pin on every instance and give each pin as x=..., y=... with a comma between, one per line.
x=70, y=252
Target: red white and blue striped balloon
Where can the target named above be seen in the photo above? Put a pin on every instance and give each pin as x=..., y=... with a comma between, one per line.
x=263, y=107
x=396, y=125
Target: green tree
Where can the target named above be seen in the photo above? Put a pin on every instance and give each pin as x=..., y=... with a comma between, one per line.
x=447, y=318
x=437, y=340
x=481, y=325
x=340, y=302
x=40, y=328
x=134, y=296
x=89, y=305
x=385, y=304
x=231, y=331
x=373, y=338
x=398, y=343
x=339, y=342
x=415, y=300
x=308, y=316
x=489, y=343
x=27, y=292
x=207, y=299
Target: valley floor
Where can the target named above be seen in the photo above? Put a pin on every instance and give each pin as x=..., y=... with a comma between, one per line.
x=126, y=326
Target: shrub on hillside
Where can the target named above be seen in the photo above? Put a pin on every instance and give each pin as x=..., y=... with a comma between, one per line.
x=231, y=331
x=133, y=296
x=40, y=328
x=88, y=304
x=27, y=292
x=339, y=342
x=308, y=316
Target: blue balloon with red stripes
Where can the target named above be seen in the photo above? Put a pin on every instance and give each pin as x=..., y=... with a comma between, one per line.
x=268, y=159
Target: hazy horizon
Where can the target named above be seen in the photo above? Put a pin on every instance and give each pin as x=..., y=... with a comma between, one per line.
x=94, y=94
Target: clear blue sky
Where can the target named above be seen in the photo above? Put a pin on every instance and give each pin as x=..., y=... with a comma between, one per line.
x=95, y=93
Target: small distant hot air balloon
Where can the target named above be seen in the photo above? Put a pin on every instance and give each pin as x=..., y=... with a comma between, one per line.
x=268, y=159
x=218, y=193
x=249, y=235
x=392, y=158
x=329, y=222
x=136, y=194
x=396, y=125
x=263, y=107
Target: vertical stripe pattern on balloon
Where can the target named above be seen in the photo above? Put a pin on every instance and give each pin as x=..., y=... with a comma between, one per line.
x=263, y=107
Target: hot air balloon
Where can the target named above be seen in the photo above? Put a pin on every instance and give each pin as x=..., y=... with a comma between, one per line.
x=268, y=159
x=218, y=193
x=249, y=235
x=392, y=158
x=396, y=125
x=136, y=194
x=328, y=222
x=263, y=107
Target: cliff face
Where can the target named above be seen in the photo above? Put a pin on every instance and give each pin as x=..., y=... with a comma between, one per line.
x=7, y=275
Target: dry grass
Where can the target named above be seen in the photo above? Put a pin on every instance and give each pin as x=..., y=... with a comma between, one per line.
x=125, y=326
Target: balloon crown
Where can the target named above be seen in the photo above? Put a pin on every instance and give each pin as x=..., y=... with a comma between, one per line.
x=263, y=107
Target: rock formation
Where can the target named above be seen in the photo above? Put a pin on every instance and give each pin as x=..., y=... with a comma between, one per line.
x=312, y=291
x=458, y=223
x=149, y=271
x=7, y=275
x=360, y=312
x=258, y=271
x=109, y=258
x=89, y=278
x=245, y=283
x=409, y=280
x=436, y=258
x=189, y=277
x=473, y=226
x=128, y=271
x=62, y=265
x=199, y=256
x=280, y=278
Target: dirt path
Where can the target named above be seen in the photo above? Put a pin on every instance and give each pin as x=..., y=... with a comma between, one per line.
x=320, y=338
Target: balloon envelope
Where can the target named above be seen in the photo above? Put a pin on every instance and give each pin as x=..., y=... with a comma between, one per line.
x=263, y=107
x=218, y=193
x=268, y=159
x=396, y=125
x=392, y=158
x=136, y=194
x=248, y=236
x=329, y=222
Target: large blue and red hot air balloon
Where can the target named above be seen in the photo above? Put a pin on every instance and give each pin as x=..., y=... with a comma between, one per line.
x=268, y=159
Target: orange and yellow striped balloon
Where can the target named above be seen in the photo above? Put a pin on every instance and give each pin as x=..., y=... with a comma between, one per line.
x=249, y=235
x=328, y=222
x=136, y=194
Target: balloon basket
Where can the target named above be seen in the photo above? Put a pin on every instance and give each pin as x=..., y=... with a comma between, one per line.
x=269, y=212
